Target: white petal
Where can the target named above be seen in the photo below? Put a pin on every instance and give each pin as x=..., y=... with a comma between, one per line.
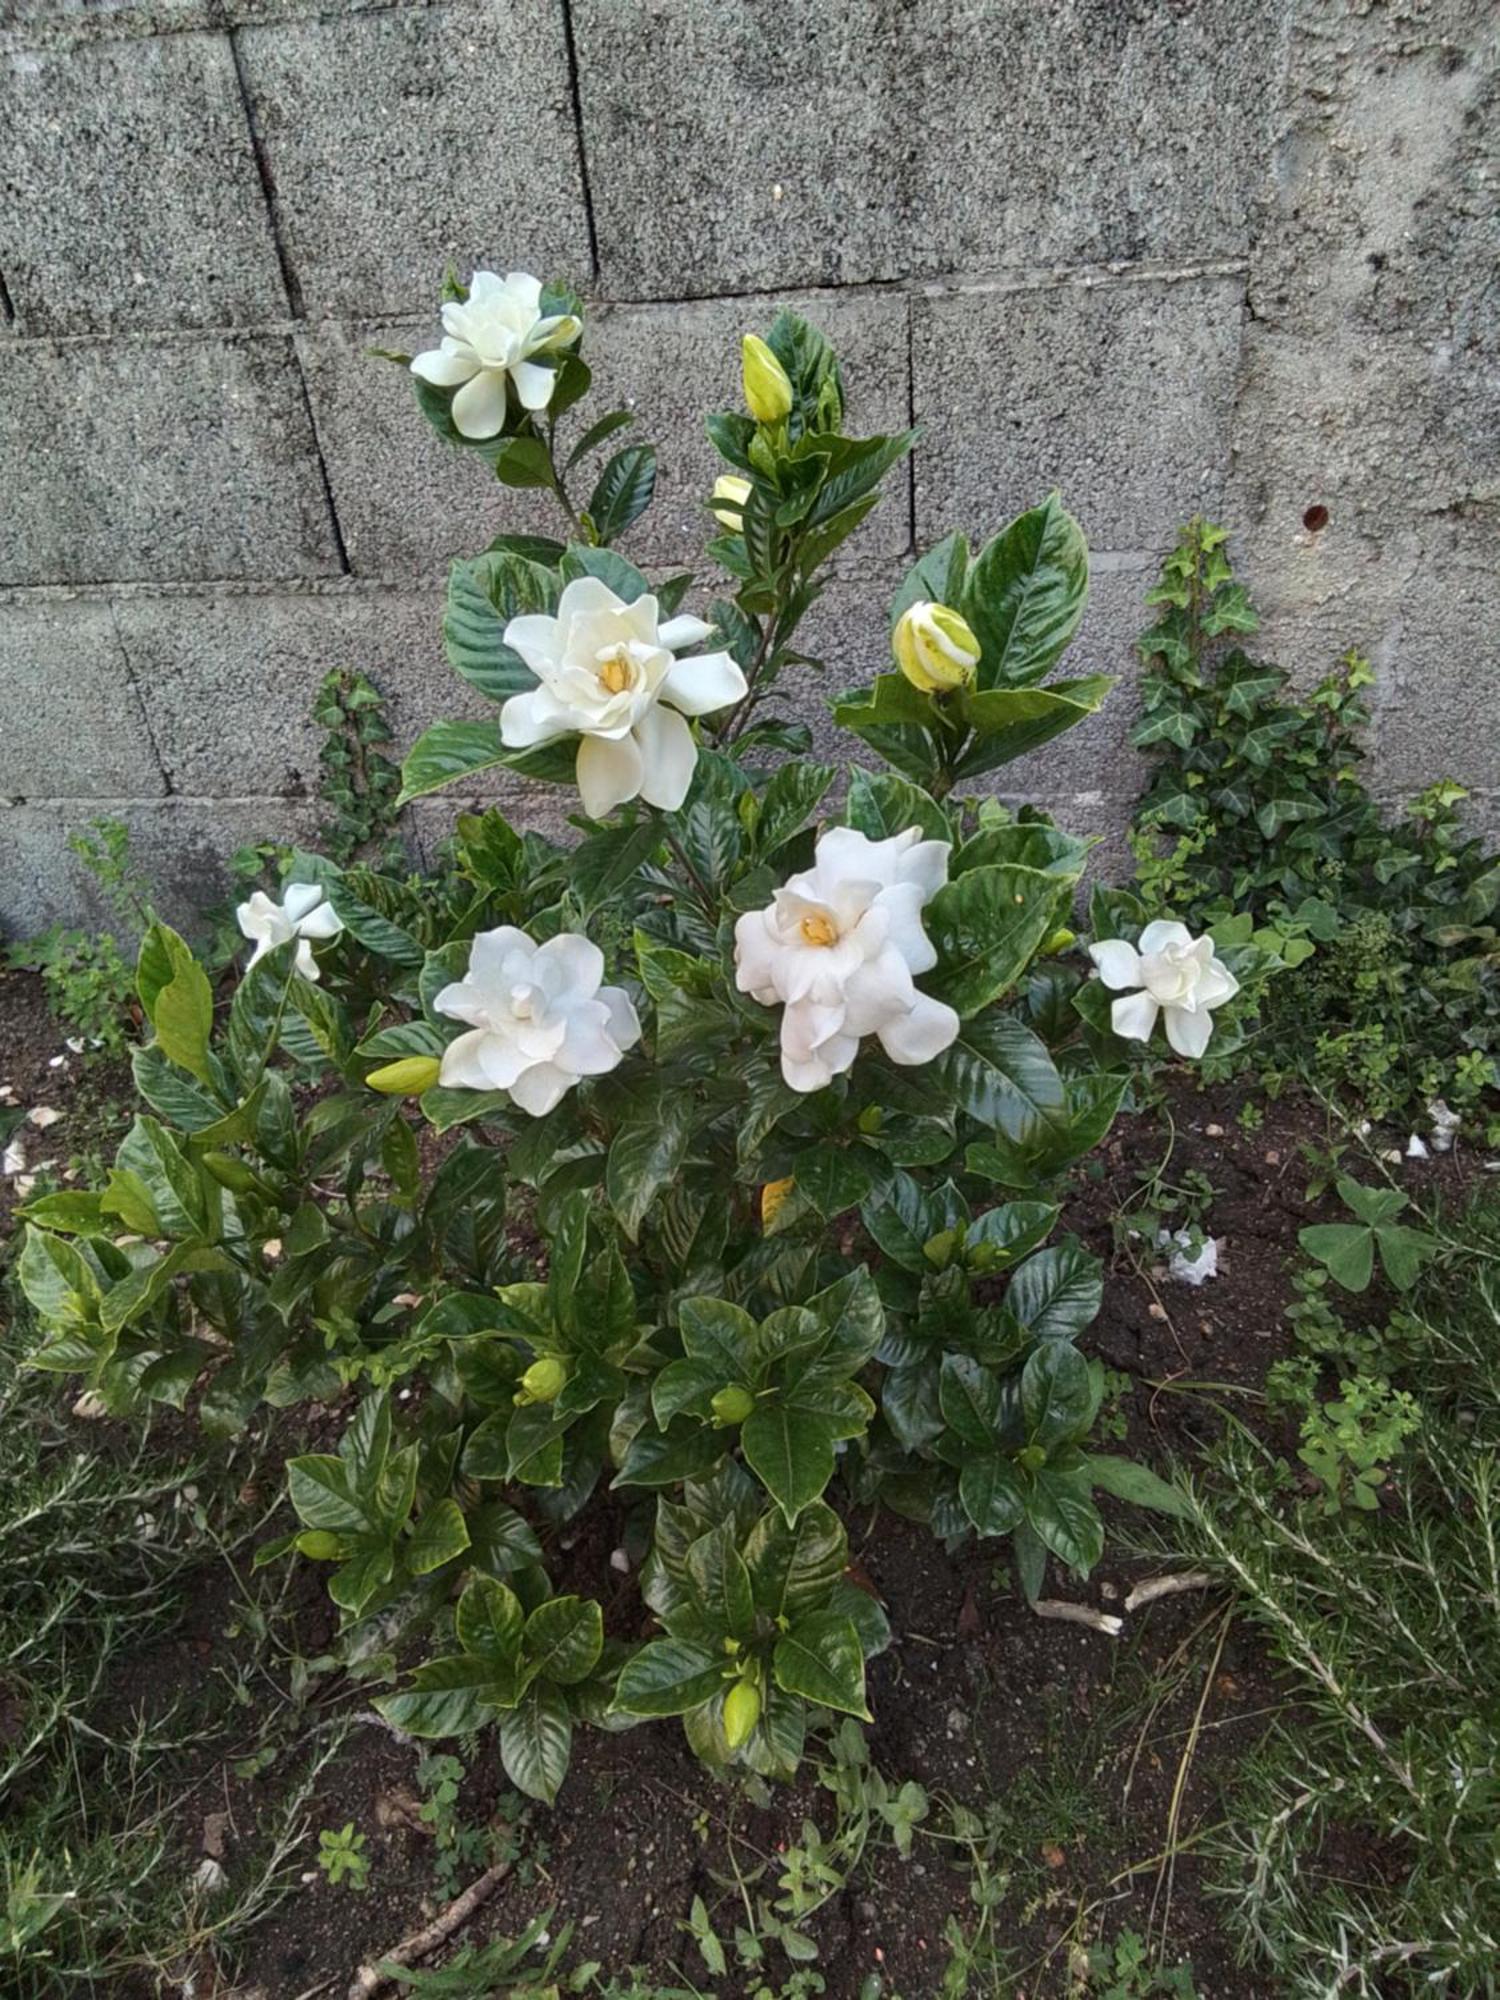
x=537, y=638
x=297, y=898
x=260, y=918
x=901, y=907
x=1119, y=963
x=322, y=922
x=680, y=633
x=1162, y=932
x=305, y=963
x=1217, y=985
x=624, y=1022
x=668, y=757
x=534, y=717
x=461, y=1068
x=1188, y=1033
x=534, y=384
x=703, y=684
x=541, y=1088
x=571, y=964
x=518, y=285
x=446, y=367
x=479, y=406
x=1134, y=1017
x=609, y=772
x=917, y=1037
x=462, y=1001
x=557, y=330
x=588, y=1049
x=491, y=952
x=925, y=862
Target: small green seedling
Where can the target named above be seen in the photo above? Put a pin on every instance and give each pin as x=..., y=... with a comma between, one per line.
x=342, y=1857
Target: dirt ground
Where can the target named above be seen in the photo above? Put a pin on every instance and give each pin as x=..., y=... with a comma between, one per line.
x=1091, y=1757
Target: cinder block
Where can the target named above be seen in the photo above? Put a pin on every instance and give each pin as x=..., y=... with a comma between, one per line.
x=132, y=197
x=1439, y=679
x=168, y=459
x=401, y=141
x=408, y=502
x=73, y=721
x=229, y=678
x=181, y=845
x=1118, y=394
x=827, y=144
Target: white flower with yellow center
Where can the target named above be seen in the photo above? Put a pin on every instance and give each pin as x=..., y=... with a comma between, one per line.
x=538, y=1016
x=491, y=339
x=1178, y=976
x=301, y=913
x=607, y=674
x=837, y=950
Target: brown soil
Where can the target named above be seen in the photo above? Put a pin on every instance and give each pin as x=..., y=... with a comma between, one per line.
x=1073, y=1743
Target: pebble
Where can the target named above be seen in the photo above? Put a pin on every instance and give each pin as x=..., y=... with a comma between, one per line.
x=43, y=1115
x=1213, y=1131
x=620, y=1561
x=13, y=1159
x=209, y=1877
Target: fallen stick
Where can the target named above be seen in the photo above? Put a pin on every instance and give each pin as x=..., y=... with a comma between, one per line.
x=1167, y=1586
x=370, y=1977
x=1080, y=1614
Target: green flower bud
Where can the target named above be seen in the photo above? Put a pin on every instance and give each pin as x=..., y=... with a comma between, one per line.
x=768, y=389
x=934, y=647
x=407, y=1078
x=1033, y=1458
x=731, y=1406
x=318, y=1543
x=543, y=1382
x=1059, y=941
x=741, y=1713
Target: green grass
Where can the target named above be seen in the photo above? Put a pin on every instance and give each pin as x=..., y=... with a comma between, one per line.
x=1359, y=1851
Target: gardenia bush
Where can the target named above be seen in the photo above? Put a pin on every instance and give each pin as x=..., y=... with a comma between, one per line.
x=706, y=1169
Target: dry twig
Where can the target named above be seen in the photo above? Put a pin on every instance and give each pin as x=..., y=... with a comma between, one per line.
x=421, y=1944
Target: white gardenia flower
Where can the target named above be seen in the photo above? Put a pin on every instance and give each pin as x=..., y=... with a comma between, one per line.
x=838, y=948
x=608, y=675
x=1178, y=976
x=491, y=338
x=539, y=1018
x=301, y=913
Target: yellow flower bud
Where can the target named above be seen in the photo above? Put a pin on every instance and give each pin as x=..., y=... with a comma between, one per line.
x=934, y=647
x=728, y=505
x=318, y=1543
x=773, y=1198
x=1059, y=941
x=407, y=1078
x=543, y=1382
x=731, y=1406
x=741, y=1713
x=768, y=390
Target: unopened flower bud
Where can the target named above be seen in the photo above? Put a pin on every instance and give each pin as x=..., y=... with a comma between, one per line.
x=731, y=1406
x=407, y=1078
x=318, y=1543
x=1033, y=1458
x=741, y=1713
x=728, y=504
x=934, y=647
x=1059, y=941
x=768, y=389
x=543, y=1382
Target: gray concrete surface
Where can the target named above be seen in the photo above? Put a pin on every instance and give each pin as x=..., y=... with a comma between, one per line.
x=1163, y=254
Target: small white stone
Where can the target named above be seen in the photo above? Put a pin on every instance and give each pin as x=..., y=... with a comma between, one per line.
x=13, y=1159
x=1417, y=1148
x=208, y=1877
x=43, y=1115
x=1445, y=1125
x=76, y=1044
x=1391, y=1154
x=25, y=1186
x=57, y=1062
x=90, y=1405
x=620, y=1561
x=271, y=1249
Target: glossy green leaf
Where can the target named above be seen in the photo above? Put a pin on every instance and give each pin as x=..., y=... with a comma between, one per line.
x=820, y=1658
x=791, y=1451
x=536, y=1742
x=1024, y=595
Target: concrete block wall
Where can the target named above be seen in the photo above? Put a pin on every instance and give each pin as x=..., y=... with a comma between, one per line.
x=1231, y=255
